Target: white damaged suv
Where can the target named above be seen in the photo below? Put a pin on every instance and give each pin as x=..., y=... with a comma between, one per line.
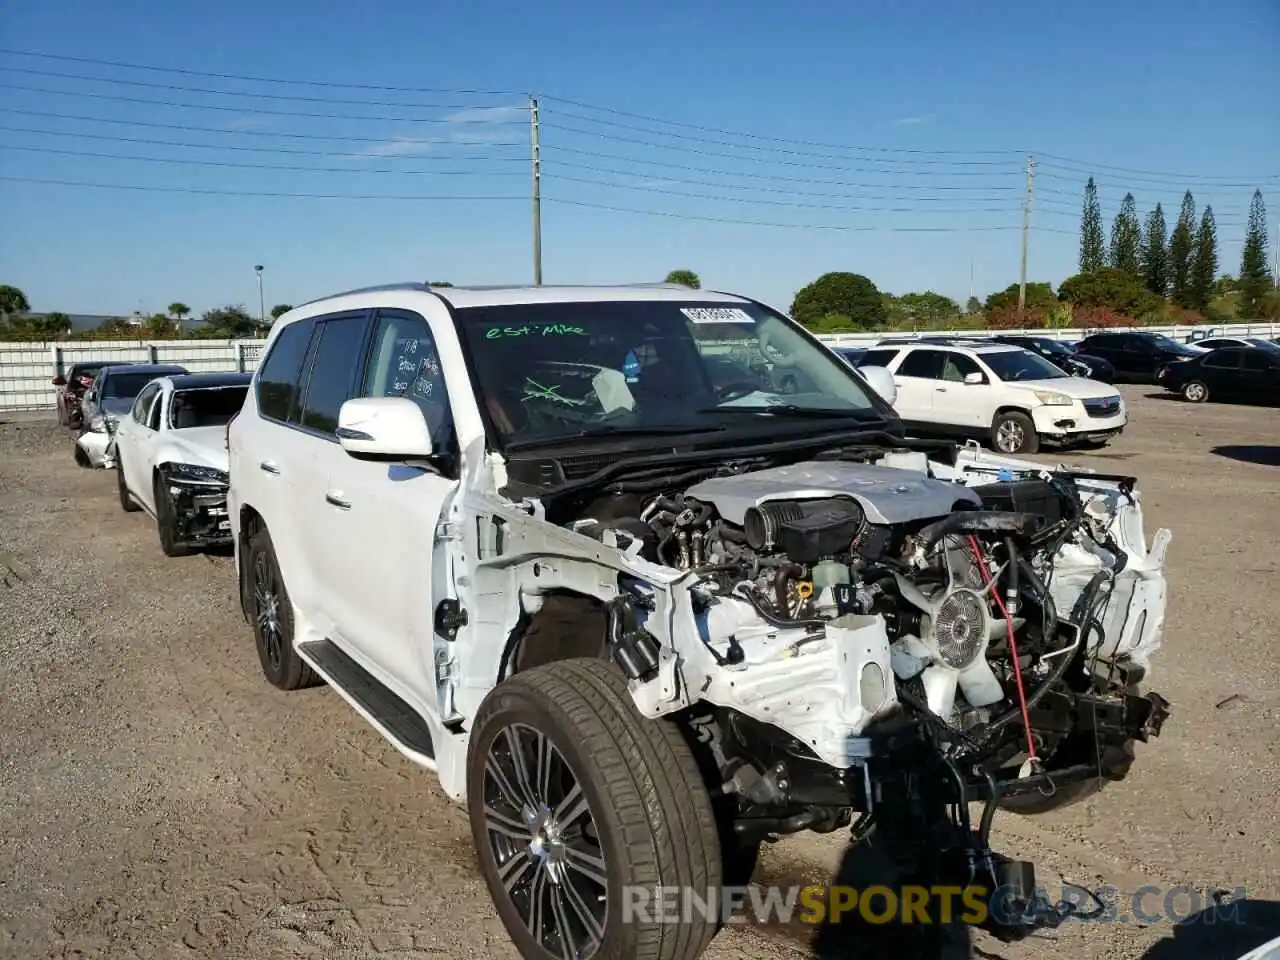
x=647, y=576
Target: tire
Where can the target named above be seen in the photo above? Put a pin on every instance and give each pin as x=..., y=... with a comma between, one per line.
x=126, y=501
x=166, y=526
x=644, y=815
x=1195, y=391
x=281, y=664
x=1013, y=432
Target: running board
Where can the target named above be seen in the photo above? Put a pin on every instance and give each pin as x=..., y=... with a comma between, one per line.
x=394, y=719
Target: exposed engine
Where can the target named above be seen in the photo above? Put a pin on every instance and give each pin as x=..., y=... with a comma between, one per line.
x=873, y=621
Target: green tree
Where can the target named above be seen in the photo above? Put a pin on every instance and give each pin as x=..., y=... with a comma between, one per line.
x=439, y=283
x=974, y=305
x=849, y=295
x=1092, y=254
x=228, y=322
x=1255, y=280
x=922, y=311
x=1039, y=296
x=1181, y=246
x=1204, y=262
x=280, y=309
x=686, y=278
x=1155, y=254
x=1112, y=288
x=179, y=311
x=1126, y=238
x=12, y=300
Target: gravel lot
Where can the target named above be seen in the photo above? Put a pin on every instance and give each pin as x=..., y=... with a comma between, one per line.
x=159, y=799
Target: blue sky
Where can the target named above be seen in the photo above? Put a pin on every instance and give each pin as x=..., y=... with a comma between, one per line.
x=942, y=101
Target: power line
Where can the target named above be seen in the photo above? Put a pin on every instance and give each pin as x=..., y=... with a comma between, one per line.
x=786, y=150
x=645, y=188
x=239, y=147
x=860, y=228
x=555, y=124
x=153, y=188
x=253, y=79
x=773, y=177
x=1090, y=165
x=1074, y=177
x=295, y=98
x=756, y=136
x=230, y=108
x=557, y=164
x=786, y=163
x=263, y=133
x=188, y=161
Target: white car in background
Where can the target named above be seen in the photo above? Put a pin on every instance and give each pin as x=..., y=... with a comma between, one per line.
x=171, y=456
x=1012, y=398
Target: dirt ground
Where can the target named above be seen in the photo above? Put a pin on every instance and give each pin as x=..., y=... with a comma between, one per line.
x=159, y=799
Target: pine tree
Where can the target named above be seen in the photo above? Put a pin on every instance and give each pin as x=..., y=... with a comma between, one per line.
x=1126, y=239
x=1092, y=254
x=1181, y=246
x=1155, y=253
x=1204, y=262
x=1255, y=282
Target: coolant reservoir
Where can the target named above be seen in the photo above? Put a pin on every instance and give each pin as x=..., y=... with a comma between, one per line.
x=828, y=573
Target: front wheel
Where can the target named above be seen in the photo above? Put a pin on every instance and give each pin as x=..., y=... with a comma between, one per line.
x=580, y=808
x=1014, y=432
x=167, y=522
x=272, y=614
x=1195, y=391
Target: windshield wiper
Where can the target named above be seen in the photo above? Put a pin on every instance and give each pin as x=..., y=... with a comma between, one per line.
x=618, y=430
x=793, y=410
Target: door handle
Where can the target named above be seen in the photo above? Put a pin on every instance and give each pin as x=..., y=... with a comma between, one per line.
x=337, y=501
x=940, y=389
x=266, y=466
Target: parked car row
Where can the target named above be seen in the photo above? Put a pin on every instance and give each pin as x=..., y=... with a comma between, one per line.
x=163, y=430
x=647, y=576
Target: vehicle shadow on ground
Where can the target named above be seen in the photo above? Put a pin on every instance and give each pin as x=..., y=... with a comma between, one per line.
x=854, y=937
x=1224, y=401
x=1264, y=454
x=1221, y=932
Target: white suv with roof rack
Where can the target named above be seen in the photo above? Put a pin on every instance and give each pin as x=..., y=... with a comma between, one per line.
x=1006, y=395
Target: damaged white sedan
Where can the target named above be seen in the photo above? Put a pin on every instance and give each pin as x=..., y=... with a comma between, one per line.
x=649, y=576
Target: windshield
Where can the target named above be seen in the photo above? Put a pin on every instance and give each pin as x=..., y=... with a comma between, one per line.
x=124, y=386
x=1011, y=365
x=1055, y=347
x=559, y=370
x=208, y=407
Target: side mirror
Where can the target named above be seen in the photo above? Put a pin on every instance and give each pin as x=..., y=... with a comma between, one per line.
x=881, y=381
x=974, y=378
x=384, y=428
x=59, y=381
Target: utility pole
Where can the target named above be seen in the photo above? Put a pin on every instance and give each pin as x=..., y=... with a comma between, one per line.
x=262, y=303
x=537, y=193
x=1026, y=239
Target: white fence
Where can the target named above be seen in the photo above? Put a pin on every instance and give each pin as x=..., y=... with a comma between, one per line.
x=26, y=369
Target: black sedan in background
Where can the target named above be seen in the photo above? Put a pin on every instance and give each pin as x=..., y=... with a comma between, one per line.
x=1246, y=374
x=1138, y=357
x=1064, y=356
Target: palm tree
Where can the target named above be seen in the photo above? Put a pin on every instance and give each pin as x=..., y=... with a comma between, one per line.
x=178, y=310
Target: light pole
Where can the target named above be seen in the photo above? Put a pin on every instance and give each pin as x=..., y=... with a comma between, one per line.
x=262, y=304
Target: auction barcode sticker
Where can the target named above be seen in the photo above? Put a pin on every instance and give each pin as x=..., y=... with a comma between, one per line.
x=716, y=315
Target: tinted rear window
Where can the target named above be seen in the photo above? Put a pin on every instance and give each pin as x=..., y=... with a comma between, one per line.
x=278, y=379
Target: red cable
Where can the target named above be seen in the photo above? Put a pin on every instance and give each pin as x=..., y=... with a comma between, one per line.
x=1013, y=646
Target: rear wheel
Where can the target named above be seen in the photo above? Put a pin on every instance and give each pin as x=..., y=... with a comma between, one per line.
x=1195, y=391
x=1014, y=432
x=122, y=488
x=580, y=807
